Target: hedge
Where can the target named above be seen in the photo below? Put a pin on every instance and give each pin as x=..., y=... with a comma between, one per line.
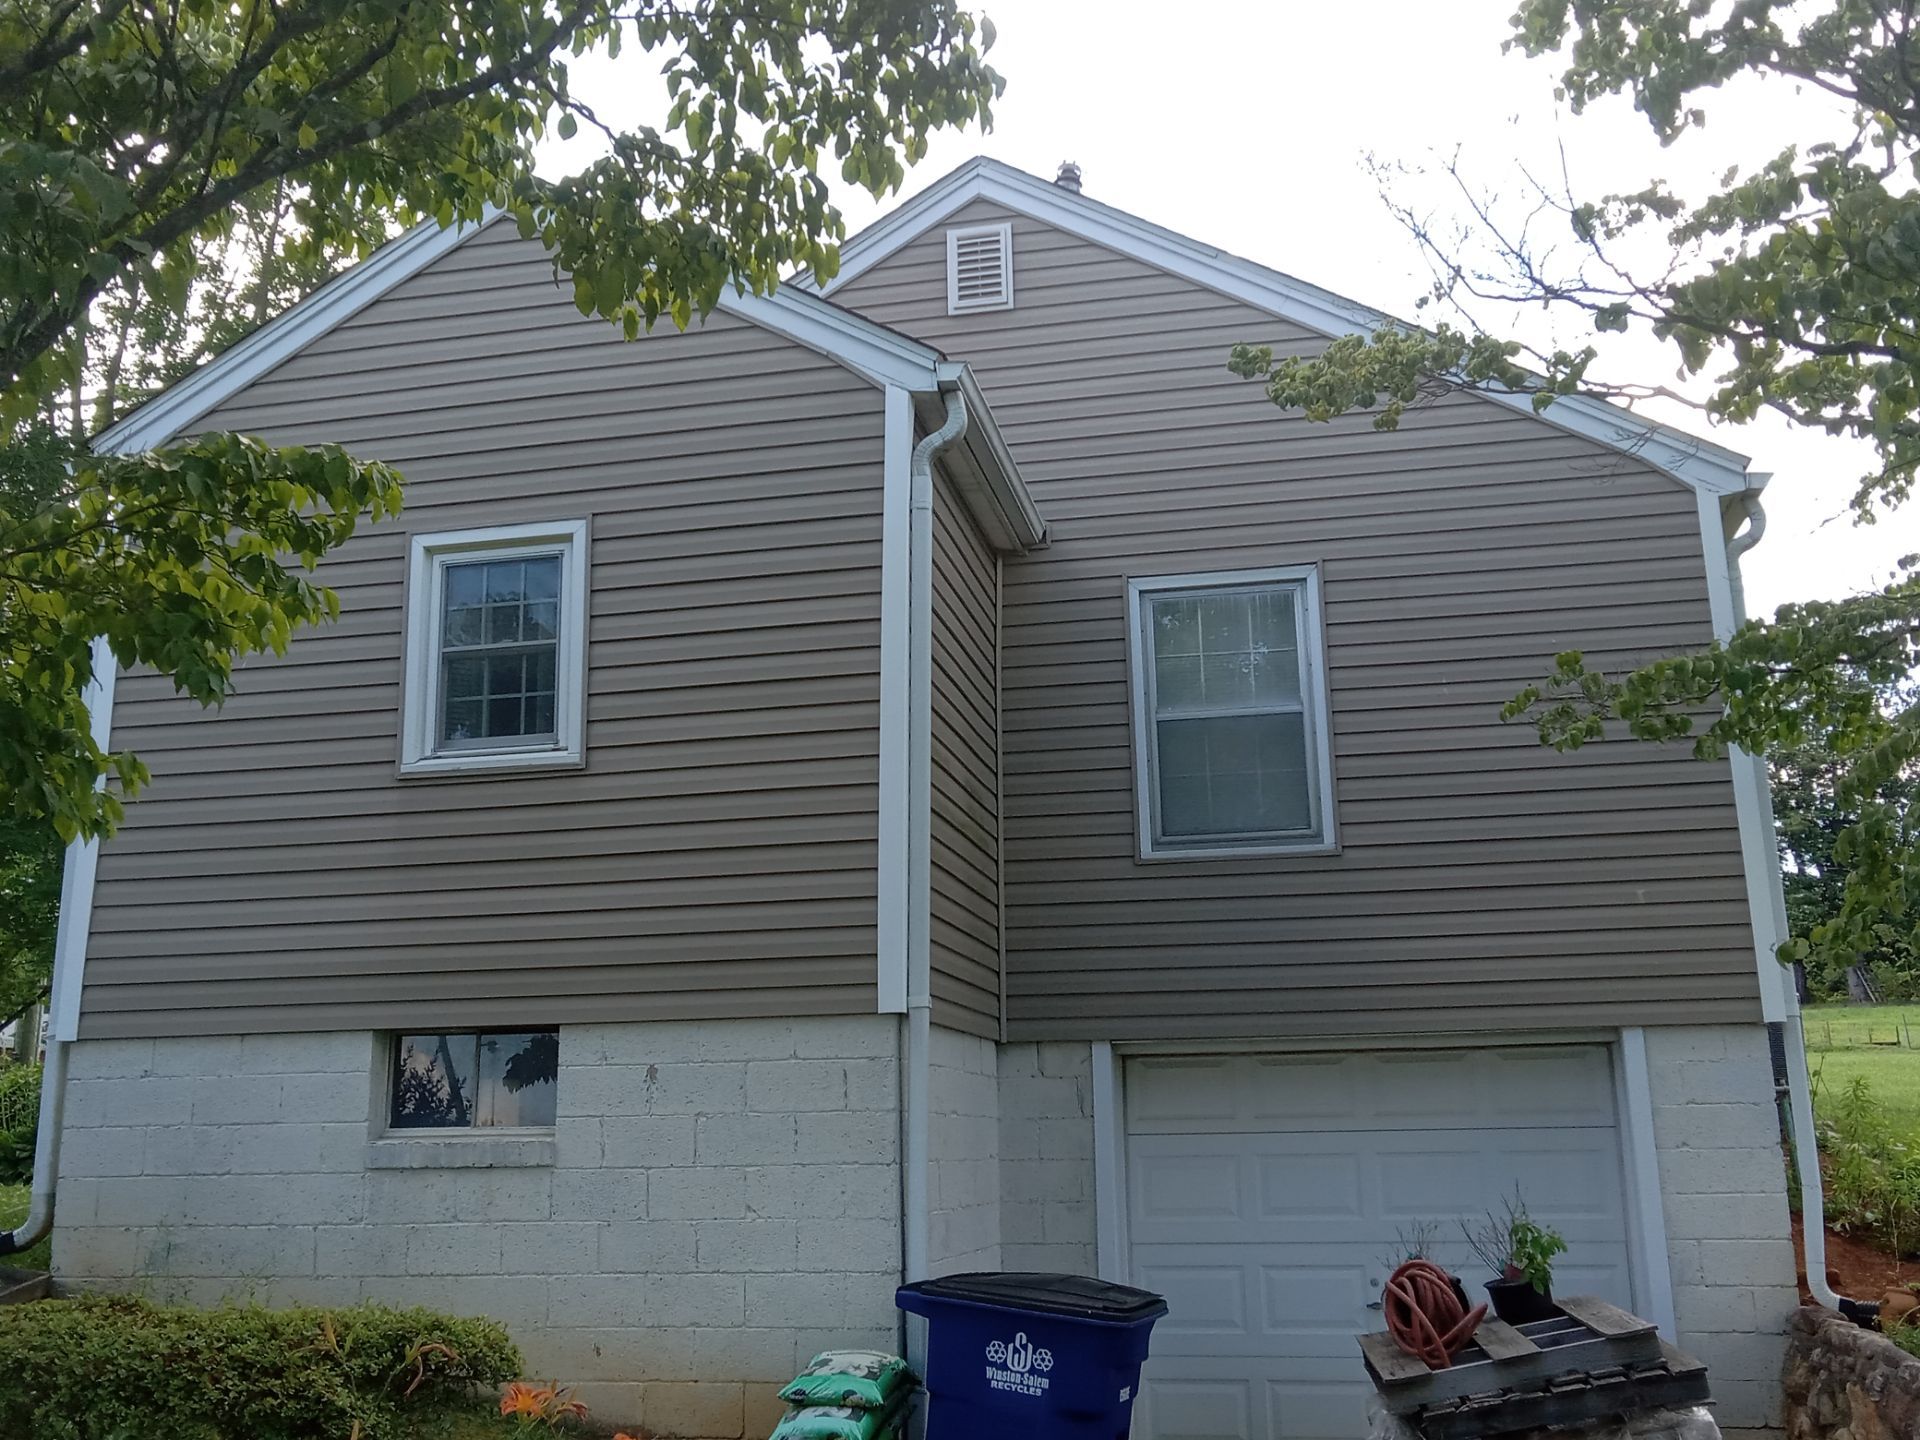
x=116, y=1368
x=19, y=1120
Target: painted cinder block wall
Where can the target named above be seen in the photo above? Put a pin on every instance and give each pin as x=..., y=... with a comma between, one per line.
x=963, y=1143
x=1723, y=1189
x=719, y=1200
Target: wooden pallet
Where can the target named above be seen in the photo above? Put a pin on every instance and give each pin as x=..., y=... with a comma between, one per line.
x=1588, y=1336
x=1676, y=1380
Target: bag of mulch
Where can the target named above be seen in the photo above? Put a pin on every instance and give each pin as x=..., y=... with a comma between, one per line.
x=841, y=1422
x=854, y=1379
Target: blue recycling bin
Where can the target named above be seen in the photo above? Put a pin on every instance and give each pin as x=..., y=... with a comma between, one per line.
x=1043, y=1357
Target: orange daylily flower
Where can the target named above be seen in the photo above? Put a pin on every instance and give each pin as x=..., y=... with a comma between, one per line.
x=524, y=1399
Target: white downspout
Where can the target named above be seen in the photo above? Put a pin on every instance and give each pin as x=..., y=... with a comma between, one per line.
x=69, y=961
x=1806, y=1149
x=916, y=1221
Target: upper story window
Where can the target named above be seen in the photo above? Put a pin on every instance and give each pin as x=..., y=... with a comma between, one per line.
x=1230, y=714
x=496, y=649
x=474, y=1080
x=980, y=268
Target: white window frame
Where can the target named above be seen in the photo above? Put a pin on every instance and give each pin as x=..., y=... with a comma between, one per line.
x=1305, y=581
x=429, y=556
x=1004, y=232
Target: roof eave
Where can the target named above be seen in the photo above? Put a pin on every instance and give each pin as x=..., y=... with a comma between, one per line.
x=1687, y=458
x=982, y=466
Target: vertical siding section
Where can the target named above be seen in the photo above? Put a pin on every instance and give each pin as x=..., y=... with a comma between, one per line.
x=715, y=857
x=1484, y=881
x=965, y=930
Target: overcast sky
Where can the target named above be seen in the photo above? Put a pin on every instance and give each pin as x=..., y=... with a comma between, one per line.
x=1249, y=126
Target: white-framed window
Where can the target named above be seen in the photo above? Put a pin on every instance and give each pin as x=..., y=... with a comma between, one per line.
x=980, y=268
x=496, y=649
x=1231, y=752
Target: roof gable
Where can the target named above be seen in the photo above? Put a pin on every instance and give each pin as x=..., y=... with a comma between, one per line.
x=883, y=356
x=1697, y=463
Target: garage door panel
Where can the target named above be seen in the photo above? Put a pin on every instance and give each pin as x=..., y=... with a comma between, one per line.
x=1222, y=1302
x=1267, y=1195
x=1415, y=1089
x=1199, y=1410
x=1279, y=1188
x=1231, y=1408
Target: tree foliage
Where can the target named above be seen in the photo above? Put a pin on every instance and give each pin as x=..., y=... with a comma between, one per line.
x=173, y=170
x=1793, y=288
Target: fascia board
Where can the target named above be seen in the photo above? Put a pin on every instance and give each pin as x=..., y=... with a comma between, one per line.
x=1687, y=458
x=179, y=407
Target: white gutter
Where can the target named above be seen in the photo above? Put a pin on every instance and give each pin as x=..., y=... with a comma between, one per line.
x=916, y=1222
x=1779, y=998
x=69, y=963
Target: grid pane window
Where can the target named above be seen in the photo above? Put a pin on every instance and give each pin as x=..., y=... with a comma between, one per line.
x=499, y=650
x=464, y=1081
x=1229, y=738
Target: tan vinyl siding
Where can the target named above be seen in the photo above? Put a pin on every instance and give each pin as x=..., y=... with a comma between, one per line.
x=1483, y=881
x=717, y=854
x=965, y=859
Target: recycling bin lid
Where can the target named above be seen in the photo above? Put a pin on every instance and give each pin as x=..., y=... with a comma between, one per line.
x=1079, y=1296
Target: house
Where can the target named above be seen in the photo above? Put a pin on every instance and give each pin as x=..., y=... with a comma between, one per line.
x=933, y=776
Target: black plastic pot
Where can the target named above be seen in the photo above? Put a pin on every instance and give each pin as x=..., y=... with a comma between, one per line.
x=1518, y=1303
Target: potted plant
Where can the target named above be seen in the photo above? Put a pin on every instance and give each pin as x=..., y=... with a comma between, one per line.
x=1519, y=1250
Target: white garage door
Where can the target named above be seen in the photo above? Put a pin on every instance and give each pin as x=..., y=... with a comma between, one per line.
x=1265, y=1195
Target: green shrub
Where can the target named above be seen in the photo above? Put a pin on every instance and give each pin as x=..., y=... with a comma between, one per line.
x=19, y=1121
x=1872, y=1174
x=110, y=1368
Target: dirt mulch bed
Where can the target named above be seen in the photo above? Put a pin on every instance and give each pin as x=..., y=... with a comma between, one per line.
x=1857, y=1268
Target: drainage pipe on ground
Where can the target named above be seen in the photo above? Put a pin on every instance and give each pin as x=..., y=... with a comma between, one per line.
x=915, y=1221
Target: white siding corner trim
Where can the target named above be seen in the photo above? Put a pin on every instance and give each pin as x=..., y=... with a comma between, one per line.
x=82, y=865
x=1752, y=797
x=1109, y=1166
x=895, y=600
x=1646, y=1215
x=421, y=752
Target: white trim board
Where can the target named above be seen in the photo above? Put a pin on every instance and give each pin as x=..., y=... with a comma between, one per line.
x=1752, y=792
x=881, y=356
x=1111, y=1241
x=1687, y=458
x=890, y=931
x=1640, y=1160
x=82, y=865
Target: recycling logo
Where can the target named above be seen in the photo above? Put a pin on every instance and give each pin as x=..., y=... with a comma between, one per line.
x=1018, y=1366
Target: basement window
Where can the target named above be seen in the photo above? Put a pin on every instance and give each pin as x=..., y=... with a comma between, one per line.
x=980, y=268
x=1230, y=715
x=474, y=1080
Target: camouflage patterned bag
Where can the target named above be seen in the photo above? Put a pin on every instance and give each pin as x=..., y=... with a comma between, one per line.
x=856, y=1379
x=838, y=1422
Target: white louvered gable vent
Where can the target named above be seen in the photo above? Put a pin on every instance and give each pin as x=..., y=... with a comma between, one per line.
x=980, y=268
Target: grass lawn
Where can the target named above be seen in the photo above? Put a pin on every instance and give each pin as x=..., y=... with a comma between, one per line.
x=13, y=1209
x=1878, y=1042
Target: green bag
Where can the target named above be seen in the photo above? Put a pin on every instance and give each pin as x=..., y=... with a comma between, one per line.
x=837, y=1422
x=854, y=1379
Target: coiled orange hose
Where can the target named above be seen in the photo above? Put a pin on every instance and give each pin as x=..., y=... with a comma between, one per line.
x=1425, y=1316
